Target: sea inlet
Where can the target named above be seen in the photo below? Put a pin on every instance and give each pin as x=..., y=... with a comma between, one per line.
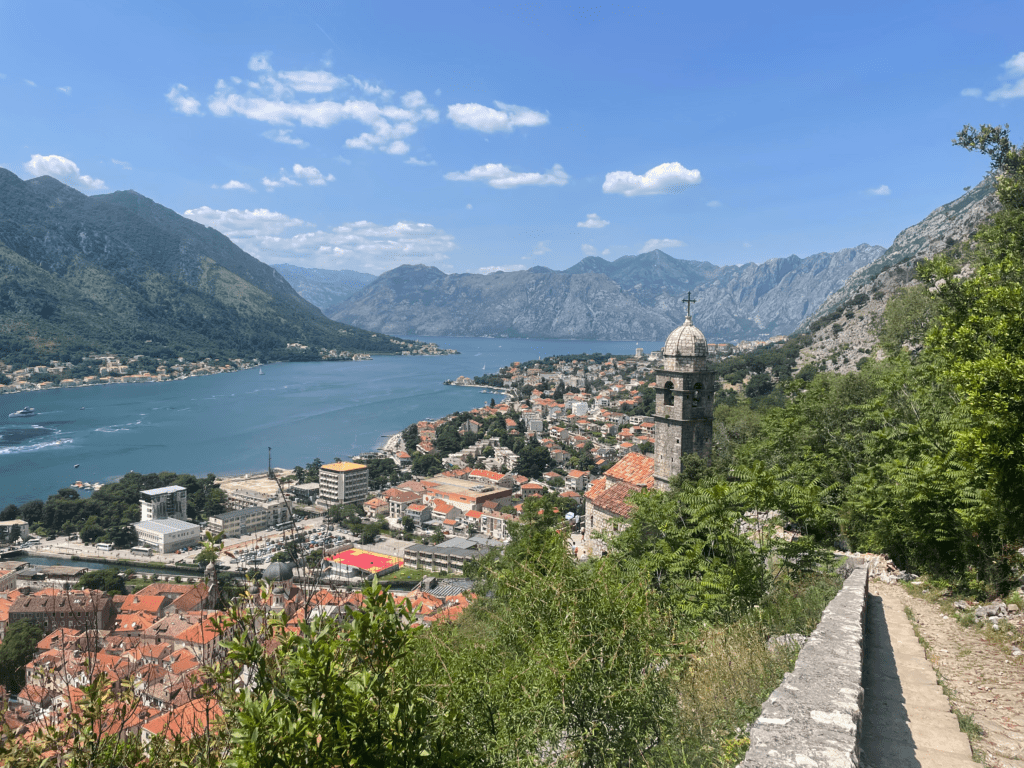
x=224, y=423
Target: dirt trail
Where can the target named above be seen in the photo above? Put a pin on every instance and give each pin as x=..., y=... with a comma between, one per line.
x=986, y=681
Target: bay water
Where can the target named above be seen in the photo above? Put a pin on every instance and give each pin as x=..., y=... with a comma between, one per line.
x=224, y=423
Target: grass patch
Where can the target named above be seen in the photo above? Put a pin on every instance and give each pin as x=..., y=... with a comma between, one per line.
x=732, y=671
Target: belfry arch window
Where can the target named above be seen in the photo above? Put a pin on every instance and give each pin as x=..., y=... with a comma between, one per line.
x=670, y=396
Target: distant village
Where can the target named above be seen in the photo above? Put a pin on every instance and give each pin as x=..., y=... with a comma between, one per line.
x=115, y=369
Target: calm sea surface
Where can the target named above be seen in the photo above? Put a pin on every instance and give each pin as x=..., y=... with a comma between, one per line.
x=225, y=422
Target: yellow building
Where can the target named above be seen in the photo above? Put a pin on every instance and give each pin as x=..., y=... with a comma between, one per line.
x=344, y=482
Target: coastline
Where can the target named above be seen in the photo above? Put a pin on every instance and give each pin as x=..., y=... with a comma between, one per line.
x=151, y=378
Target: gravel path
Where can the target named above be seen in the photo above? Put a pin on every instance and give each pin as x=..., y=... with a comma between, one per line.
x=986, y=682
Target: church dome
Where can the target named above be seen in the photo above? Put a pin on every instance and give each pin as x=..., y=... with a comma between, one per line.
x=686, y=341
x=277, y=572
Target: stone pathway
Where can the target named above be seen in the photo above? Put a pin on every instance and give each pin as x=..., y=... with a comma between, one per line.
x=907, y=720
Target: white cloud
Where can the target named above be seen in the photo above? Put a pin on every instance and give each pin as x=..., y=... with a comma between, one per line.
x=279, y=98
x=1012, y=88
x=504, y=118
x=283, y=181
x=362, y=245
x=319, y=81
x=311, y=175
x=656, y=244
x=63, y=169
x=593, y=221
x=541, y=248
x=505, y=268
x=414, y=100
x=233, y=185
x=882, y=190
x=606, y=251
x=660, y=180
x=373, y=90
x=500, y=176
x=260, y=62
x=284, y=136
x=181, y=101
x=66, y=89
x=122, y=163
x=469, y=206
x=1015, y=65
x=29, y=82
x=588, y=249
x=414, y=161
x=714, y=204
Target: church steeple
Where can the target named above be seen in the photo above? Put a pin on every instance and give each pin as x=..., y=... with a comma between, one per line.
x=684, y=400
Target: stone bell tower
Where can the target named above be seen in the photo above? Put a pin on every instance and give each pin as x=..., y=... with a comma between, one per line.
x=684, y=401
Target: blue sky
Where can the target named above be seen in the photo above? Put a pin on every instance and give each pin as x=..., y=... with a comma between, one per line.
x=475, y=136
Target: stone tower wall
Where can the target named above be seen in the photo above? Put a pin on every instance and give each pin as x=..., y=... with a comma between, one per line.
x=683, y=416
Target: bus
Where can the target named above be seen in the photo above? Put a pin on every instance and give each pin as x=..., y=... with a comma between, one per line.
x=146, y=551
x=106, y=546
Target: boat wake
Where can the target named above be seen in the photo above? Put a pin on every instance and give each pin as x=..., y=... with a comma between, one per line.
x=119, y=427
x=12, y=449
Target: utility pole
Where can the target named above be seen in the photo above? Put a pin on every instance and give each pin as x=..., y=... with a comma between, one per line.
x=270, y=466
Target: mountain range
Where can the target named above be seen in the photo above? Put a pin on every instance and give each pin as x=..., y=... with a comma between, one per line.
x=633, y=297
x=119, y=273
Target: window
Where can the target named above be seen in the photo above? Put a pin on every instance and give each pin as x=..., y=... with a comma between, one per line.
x=669, y=396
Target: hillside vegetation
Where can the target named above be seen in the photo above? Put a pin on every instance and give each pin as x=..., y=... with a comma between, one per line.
x=120, y=274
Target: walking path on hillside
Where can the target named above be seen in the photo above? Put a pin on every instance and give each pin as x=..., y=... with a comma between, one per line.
x=907, y=718
x=907, y=721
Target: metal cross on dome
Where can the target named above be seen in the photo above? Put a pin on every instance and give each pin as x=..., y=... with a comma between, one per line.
x=688, y=301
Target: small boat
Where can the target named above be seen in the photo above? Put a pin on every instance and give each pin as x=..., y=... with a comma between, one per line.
x=77, y=466
x=261, y=371
x=24, y=412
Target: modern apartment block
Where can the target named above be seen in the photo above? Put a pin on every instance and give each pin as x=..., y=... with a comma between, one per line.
x=344, y=482
x=163, y=503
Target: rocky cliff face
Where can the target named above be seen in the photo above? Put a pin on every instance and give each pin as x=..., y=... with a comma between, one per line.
x=844, y=325
x=634, y=297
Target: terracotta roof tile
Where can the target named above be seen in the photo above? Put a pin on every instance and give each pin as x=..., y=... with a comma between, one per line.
x=634, y=469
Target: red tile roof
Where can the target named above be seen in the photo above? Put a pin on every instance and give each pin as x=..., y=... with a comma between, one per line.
x=611, y=497
x=634, y=469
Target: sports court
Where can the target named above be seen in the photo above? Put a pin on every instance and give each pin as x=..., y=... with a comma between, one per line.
x=366, y=561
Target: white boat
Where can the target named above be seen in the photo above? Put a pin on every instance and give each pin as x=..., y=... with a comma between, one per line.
x=261, y=371
x=24, y=412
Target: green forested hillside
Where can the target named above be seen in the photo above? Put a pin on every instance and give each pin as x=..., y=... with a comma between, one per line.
x=120, y=274
x=920, y=455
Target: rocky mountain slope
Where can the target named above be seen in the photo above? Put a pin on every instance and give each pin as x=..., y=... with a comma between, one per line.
x=118, y=273
x=325, y=289
x=634, y=297
x=843, y=329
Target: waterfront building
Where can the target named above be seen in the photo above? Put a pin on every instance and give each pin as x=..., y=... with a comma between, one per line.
x=240, y=522
x=168, y=535
x=6, y=528
x=163, y=503
x=344, y=482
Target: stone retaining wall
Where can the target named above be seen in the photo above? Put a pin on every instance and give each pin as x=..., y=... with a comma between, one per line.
x=813, y=718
